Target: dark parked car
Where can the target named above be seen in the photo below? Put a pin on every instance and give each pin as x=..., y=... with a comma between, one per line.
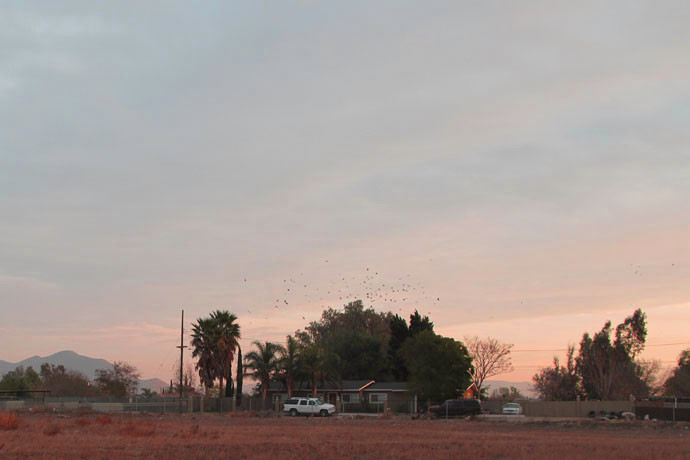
x=456, y=407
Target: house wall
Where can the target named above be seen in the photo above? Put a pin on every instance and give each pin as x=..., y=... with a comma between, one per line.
x=397, y=401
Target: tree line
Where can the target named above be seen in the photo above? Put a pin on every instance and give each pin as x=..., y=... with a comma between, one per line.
x=608, y=367
x=355, y=343
x=118, y=382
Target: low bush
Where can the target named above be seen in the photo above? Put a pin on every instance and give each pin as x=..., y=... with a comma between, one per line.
x=138, y=430
x=104, y=420
x=81, y=421
x=9, y=421
x=52, y=429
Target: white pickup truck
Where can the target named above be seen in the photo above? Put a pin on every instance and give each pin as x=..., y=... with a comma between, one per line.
x=308, y=406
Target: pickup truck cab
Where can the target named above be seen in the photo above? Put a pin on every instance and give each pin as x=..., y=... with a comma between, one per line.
x=456, y=407
x=308, y=406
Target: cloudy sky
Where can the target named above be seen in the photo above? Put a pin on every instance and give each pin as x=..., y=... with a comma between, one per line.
x=518, y=170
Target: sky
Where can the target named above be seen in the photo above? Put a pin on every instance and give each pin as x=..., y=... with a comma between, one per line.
x=513, y=170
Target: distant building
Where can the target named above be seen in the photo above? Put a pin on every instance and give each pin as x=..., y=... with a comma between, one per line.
x=472, y=392
x=352, y=392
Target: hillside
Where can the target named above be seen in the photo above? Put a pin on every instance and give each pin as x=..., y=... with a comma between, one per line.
x=76, y=362
x=524, y=387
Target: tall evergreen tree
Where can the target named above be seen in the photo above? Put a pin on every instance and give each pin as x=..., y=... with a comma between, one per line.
x=399, y=333
x=239, y=376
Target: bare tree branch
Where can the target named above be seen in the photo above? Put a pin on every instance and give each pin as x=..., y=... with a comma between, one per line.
x=490, y=357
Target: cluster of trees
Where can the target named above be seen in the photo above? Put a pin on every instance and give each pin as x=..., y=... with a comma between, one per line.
x=607, y=367
x=510, y=393
x=358, y=343
x=118, y=382
x=354, y=343
x=678, y=384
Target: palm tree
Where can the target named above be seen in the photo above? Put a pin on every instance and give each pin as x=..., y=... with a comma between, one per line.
x=263, y=365
x=214, y=341
x=204, y=348
x=228, y=335
x=289, y=364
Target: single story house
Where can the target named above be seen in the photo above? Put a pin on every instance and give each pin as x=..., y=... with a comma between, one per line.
x=348, y=392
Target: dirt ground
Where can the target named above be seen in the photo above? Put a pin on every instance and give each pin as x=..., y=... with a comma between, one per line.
x=88, y=435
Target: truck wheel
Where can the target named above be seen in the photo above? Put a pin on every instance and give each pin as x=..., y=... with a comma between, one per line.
x=293, y=412
x=324, y=413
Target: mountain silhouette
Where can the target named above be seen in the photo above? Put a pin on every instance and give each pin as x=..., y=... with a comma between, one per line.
x=76, y=362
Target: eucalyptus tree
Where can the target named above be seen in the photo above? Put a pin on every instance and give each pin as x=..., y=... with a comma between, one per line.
x=609, y=369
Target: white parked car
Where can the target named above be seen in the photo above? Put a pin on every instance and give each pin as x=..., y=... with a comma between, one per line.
x=308, y=406
x=512, y=409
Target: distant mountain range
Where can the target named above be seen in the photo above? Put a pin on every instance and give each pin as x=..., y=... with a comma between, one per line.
x=525, y=388
x=75, y=362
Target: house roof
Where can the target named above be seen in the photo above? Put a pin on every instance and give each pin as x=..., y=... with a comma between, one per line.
x=345, y=385
x=387, y=386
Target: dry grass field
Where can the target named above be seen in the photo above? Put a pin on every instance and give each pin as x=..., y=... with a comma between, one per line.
x=70, y=435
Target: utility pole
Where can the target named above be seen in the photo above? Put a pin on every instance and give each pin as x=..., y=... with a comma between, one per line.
x=181, y=347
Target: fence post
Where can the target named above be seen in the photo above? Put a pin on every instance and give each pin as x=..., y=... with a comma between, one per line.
x=337, y=404
x=233, y=404
x=675, y=404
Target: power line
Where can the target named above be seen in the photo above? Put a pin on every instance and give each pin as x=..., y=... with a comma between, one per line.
x=534, y=366
x=565, y=349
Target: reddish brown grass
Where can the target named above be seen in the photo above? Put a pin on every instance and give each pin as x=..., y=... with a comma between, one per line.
x=81, y=421
x=246, y=414
x=9, y=421
x=52, y=429
x=213, y=436
x=104, y=420
x=138, y=430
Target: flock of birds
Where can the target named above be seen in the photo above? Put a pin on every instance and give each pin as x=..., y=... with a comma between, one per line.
x=396, y=294
x=384, y=293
